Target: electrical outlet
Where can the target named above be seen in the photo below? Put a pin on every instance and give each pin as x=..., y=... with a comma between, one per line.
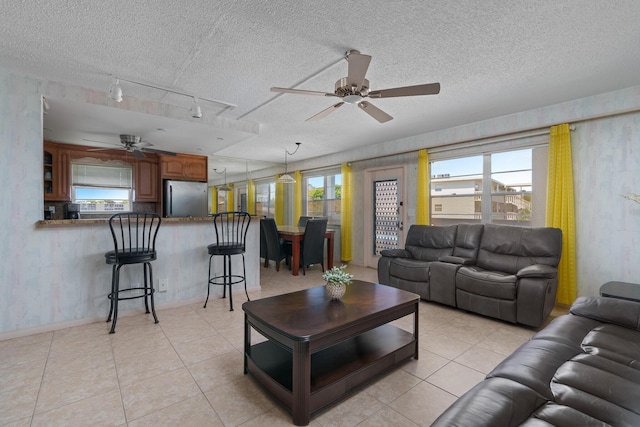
x=162, y=284
x=52, y=209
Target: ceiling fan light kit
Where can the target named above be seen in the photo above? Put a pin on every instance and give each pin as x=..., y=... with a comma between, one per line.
x=354, y=88
x=135, y=145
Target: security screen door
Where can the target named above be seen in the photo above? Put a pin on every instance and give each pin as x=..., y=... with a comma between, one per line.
x=386, y=213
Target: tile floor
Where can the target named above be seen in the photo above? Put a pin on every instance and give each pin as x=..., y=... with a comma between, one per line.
x=187, y=370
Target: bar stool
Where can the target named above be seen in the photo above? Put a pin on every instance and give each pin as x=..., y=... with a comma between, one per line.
x=231, y=235
x=134, y=238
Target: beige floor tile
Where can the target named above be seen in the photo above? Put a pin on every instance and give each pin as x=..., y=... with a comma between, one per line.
x=278, y=417
x=455, y=378
x=156, y=393
x=25, y=422
x=143, y=344
x=480, y=359
x=102, y=410
x=30, y=339
x=423, y=403
x=387, y=417
x=138, y=368
x=63, y=390
x=18, y=403
x=218, y=371
x=25, y=375
x=443, y=345
x=196, y=351
x=83, y=358
x=392, y=386
x=426, y=365
x=506, y=339
x=238, y=402
x=464, y=330
x=12, y=357
x=192, y=412
x=185, y=332
x=350, y=412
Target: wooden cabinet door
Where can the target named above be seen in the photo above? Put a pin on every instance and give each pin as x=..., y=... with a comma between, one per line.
x=62, y=177
x=172, y=167
x=197, y=169
x=57, y=181
x=146, y=180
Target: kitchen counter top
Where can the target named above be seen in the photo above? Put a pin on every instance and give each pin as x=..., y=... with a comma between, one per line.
x=91, y=221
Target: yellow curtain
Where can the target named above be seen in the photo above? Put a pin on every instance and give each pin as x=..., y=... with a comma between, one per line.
x=560, y=208
x=251, y=196
x=297, y=197
x=422, y=202
x=230, y=202
x=279, y=202
x=345, y=214
x=214, y=200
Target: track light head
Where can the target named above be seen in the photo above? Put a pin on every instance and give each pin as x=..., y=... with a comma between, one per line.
x=196, y=111
x=115, y=91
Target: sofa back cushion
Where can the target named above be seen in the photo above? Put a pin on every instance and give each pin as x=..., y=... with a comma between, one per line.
x=468, y=240
x=508, y=249
x=430, y=242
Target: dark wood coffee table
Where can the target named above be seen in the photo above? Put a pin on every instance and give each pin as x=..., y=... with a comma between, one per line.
x=317, y=349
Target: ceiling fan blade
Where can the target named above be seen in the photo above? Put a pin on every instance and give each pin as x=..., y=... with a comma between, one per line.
x=301, y=92
x=358, y=65
x=103, y=149
x=138, y=154
x=426, y=89
x=374, y=112
x=153, y=150
x=325, y=112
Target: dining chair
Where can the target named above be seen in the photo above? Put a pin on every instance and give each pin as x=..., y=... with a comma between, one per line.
x=276, y=248
x=302, y=221
x=134, y=239
x=312, y=249
x=231, y=236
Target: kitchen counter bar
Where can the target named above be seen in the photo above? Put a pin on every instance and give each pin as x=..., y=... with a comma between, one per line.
x=90, y=221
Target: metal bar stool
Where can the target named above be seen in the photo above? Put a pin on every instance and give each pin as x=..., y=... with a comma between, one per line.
x=231, y=235
x=134, y=238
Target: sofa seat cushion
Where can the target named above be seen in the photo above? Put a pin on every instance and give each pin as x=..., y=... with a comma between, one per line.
x=492, y=284
x=410, y=269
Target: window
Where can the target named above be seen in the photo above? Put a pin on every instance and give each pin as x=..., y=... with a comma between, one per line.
x=323, y=195
x=266, y=199
x=490, y=188
x=102, y=189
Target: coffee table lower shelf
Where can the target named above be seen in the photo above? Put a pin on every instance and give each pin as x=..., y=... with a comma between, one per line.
x=334, y=370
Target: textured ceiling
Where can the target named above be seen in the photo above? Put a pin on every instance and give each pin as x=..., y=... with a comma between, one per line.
x=491, y=58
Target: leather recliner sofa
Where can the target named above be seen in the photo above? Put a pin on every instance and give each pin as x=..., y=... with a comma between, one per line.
x=580, y=370
x=505, y=272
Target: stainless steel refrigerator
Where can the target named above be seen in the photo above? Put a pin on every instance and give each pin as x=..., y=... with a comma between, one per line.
x=185, y=198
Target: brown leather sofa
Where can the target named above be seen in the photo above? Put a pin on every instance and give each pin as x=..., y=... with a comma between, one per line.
x=583, y=369
x=505, y=272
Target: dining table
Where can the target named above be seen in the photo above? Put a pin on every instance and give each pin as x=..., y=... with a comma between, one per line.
x=295, y=235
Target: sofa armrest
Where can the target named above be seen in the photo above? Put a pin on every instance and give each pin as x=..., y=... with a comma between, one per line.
x=396, y=253
x=609, y=310
x=456, y=260
x=538, y=270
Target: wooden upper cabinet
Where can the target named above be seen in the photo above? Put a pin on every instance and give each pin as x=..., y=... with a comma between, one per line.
x=146, y=180
x=184, y=167
x=56, y=173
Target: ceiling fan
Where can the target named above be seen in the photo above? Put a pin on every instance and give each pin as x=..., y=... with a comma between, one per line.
x=132, y=144
x=354, y=88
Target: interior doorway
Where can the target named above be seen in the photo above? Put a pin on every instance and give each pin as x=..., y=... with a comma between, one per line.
x=385, y=213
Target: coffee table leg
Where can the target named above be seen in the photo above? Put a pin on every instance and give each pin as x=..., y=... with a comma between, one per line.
x=301, y=383
x=247, y=342
x=415, y=329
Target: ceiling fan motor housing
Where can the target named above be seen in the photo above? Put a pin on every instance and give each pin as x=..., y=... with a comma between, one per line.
x=343, y=89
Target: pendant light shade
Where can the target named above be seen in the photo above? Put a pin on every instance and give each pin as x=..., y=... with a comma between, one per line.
x=285, y=178
x=196, y=111
x=115, y=91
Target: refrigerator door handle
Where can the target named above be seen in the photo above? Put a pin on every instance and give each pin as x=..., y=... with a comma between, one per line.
x=170, y=200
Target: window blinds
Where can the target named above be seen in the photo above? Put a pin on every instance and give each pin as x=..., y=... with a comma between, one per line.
x=101, y=176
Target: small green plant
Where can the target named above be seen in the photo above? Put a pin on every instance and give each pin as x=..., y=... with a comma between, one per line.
x=337, y=275
x=633, y=197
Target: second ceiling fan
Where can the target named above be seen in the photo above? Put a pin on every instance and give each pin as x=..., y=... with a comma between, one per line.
x=354, y=88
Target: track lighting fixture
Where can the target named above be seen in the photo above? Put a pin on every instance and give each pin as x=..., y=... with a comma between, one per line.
x=286, y=178
x=45, y=106
x=115, y=91
x=196, y=111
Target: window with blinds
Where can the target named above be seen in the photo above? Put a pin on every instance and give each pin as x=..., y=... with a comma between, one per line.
x=102, y=189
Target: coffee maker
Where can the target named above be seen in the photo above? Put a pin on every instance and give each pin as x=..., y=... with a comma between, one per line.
x=71, y=211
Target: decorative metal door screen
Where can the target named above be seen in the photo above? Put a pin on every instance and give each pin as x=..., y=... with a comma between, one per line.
x=386, y=221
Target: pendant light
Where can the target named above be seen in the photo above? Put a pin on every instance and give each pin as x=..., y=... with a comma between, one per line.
x=223, y=187
x=286, y=178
